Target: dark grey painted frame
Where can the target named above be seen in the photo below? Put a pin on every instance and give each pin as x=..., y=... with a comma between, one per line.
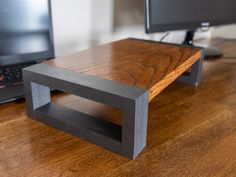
x=128, y=139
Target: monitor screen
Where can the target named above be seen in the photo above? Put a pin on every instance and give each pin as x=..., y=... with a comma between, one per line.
x=25, y=31
x=164, y=15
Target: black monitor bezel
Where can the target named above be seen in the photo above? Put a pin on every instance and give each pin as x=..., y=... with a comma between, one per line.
x=32, y=57
x=178, y=26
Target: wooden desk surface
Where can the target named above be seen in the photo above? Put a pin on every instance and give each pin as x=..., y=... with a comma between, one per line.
x=140, y=63
x=191, y=132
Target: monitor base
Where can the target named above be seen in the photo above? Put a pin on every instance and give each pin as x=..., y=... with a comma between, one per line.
x=210, y=52
x=213, y=52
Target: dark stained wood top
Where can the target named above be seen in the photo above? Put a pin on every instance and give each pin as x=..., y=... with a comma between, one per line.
x=144, y=64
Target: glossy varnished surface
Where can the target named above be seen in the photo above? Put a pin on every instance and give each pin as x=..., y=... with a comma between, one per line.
x=140, y=63
x=191, y=132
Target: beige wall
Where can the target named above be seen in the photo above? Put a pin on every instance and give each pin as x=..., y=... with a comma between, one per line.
x=128, y=13
x=78, y=23
x=228, y=31
x=81, y=24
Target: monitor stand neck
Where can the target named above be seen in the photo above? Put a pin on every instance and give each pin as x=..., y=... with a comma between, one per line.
x=189, y=37
x=210, y=52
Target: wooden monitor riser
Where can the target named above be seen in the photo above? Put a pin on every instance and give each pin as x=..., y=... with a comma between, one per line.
x=126, y=74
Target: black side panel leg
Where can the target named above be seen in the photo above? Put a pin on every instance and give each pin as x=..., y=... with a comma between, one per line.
x=128, y=139
x=134, y=129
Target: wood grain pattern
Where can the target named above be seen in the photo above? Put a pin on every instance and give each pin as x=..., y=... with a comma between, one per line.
x=140, y=63
x=191, y=132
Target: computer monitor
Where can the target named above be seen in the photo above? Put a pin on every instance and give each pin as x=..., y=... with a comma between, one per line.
x=167, y=15
x=25, y=31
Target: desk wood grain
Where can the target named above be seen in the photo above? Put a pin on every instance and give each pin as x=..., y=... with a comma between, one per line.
x=191, y=132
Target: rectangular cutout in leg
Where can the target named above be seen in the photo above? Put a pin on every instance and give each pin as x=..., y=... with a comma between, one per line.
x=40, y=95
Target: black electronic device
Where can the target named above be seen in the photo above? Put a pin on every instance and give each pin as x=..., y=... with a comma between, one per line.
x=168, y=15
x=26, y=38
